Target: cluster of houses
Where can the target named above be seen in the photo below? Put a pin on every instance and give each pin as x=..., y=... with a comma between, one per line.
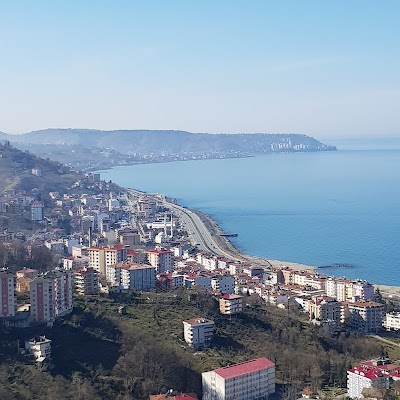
x=117, y=243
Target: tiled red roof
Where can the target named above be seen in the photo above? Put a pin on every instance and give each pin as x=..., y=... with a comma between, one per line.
x=159, y=251
x=244, y=368
x=231, y=297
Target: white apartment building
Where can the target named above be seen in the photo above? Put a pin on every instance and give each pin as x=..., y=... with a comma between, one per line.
x=8, y=295
x=118, y=275
x=162, y=260
x=224, y=284
x=250, y=380
x=39, y=347
x=359, y=378
x=347, y=290
x=192, y=279
x=391, y=321
x=37, y=211
x=75, y=263
x=113, y=204
x=366, y=317
x=198, y=332
x=231, y=304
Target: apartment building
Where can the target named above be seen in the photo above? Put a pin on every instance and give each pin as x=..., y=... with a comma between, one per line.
x=366, y=317
x=250, y=380
x=129, y=239
x=24, y=277
x=369, y=374
x=101, y=258
x=347, y=290
x=51, y=296
x=324, y=309
x=8, y=296
x=39, y=347
x=230, y=304
x=224, y=284
x=118, y=275
x=142, y=277
x=37, y=209
x=391, y=321
x=86, y=282
x=198, y=332
x=162, y=260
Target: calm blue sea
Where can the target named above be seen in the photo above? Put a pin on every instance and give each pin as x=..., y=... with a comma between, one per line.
x=312, y=208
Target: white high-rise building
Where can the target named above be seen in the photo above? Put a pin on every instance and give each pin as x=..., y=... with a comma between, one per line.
x=250, y=380
x=37, y=211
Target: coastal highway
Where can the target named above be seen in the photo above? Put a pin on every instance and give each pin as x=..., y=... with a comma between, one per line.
x=197, y=231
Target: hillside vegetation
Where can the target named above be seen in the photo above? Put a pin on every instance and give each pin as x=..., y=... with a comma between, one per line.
x=94, y=149
x=99, y=354
x=16, y=171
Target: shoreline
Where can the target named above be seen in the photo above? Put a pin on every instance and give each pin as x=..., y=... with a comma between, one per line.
x=215, y=230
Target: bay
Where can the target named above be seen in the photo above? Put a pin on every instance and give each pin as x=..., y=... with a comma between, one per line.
x=312, y=208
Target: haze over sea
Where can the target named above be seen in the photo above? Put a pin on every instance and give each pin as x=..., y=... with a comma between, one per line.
x=312, y=208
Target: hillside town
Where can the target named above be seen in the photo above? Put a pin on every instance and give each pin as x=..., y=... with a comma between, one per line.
x=121, y=241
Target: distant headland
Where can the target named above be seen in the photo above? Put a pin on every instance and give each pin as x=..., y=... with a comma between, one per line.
x=89, y=149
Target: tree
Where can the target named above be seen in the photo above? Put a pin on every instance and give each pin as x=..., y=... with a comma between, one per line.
x=378, y=296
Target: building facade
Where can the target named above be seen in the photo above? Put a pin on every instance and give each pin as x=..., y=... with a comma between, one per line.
x=37, y=211
x=51, y=296
x=8, y=296
x=250, y=380
x=162, y=260
x=366, y=317
x=231, y=304
x=86, y=282
x=142, y=277
x=198, y=332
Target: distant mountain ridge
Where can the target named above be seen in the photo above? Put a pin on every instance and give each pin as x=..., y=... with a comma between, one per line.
x=89, y=149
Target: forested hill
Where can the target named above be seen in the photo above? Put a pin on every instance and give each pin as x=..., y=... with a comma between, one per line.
x=16, y=171
x=85, y=149
x=162, y=141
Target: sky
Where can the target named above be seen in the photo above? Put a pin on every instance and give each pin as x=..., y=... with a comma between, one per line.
x=329, y=69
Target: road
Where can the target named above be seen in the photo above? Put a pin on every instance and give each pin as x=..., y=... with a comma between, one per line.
x=198, y=232
x=385, y=340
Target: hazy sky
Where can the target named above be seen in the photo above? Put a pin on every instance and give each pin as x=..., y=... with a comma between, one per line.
x=324, y=68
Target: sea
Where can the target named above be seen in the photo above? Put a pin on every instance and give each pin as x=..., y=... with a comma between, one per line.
x=320, y=208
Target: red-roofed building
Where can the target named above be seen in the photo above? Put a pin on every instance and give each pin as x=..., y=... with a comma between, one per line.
x=375, y=374
x=230, y=304
x=249, y=380
x=161, y=259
